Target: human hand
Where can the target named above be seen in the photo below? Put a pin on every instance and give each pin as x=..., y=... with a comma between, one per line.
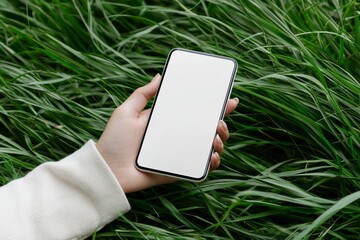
x=121, y=139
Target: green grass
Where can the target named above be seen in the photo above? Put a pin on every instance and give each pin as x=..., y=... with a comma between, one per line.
x=291, y=168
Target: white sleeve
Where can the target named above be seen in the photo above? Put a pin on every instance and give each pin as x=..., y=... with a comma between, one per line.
x=68, y=199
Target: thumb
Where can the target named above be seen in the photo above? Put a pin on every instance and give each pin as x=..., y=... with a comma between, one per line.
x=140, y=97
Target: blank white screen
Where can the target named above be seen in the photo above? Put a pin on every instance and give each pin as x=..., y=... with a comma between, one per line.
x=189, y=104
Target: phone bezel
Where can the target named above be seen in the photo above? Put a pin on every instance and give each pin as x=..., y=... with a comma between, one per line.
x=229, y=89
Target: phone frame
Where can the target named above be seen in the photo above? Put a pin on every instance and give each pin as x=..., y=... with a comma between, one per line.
x=211, y=150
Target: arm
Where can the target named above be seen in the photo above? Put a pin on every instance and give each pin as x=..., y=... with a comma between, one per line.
x=69, y=199
x=72, y=198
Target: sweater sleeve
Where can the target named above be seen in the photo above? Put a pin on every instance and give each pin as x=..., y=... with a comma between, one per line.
x=68, y=199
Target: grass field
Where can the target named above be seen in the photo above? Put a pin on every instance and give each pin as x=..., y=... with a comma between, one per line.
x=291, y=169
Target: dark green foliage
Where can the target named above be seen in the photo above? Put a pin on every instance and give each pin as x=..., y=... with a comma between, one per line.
x=291, y=167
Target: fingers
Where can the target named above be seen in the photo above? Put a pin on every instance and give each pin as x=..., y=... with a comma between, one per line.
x=222, y=135
x=140, y=97
x=231, y=105
x=218, y=144
x=223, y=131
x=215, y=161
x=218, y=150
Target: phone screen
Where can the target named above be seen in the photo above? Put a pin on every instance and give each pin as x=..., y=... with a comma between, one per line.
x=190, y=101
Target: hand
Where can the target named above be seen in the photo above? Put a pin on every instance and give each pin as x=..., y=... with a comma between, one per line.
x=121, y=139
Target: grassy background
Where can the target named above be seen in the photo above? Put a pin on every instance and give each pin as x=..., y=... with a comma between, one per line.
x=291, y=167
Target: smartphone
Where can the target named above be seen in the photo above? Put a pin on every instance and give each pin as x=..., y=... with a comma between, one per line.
x=191, y=99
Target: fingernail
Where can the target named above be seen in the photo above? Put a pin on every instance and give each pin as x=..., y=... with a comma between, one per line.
x=156, y=76
x=218, y=162
x=224, y=125
x=237, y=100
x=218, y=139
